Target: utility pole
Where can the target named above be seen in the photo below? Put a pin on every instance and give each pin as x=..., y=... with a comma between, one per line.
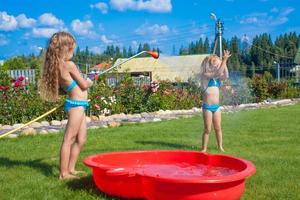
x=278, y=70
x=218, y=36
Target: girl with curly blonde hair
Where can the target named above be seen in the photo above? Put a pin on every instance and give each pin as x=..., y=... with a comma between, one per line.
x=60, y=72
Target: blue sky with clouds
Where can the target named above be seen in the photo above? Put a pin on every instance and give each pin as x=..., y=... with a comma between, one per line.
x=25, y=25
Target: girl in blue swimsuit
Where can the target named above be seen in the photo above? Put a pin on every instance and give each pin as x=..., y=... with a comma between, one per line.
x=213, y=71
x=60, y=72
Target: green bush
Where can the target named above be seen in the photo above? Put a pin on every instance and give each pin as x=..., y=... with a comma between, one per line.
x=259, y=87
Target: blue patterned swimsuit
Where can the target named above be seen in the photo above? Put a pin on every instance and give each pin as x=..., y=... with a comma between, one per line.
x=212, y=107
x=71, y=103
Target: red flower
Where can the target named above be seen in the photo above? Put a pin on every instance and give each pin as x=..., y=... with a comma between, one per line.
x=21, y=78
x=17, y=84
x=4, y=87
x=145, y=87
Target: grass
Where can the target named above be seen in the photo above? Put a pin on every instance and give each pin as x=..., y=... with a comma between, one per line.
x=268, y=137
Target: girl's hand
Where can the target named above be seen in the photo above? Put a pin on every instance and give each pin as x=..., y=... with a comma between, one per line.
x=89, y=81
x=226, y=54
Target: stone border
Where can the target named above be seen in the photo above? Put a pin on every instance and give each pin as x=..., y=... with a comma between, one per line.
x=95, y=122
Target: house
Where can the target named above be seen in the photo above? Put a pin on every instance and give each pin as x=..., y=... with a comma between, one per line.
x=172, y=68
x=296, y=69
x=100, y=67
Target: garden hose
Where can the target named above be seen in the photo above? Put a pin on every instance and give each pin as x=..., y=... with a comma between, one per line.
x=28, y=123
x=155, y=55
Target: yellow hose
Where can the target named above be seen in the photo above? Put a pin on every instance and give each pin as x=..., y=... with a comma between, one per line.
x=28, y=123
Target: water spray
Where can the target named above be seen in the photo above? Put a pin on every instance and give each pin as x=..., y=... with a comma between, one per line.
x=153, y=54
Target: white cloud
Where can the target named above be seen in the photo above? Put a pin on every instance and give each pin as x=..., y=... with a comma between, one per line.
x=44, y=32
x=148, y=5
x=103, y=7
x=96, y=50
x=7, y=22
x=24, y=22
x=49, y=19
x=287, y=11
x=105, y=40
x=274, y=10
x=36, y=49
x=3, y=40
x=152, y=29
x=274, y=18
x=134, y=45
x=82, y=27
x=249, y=20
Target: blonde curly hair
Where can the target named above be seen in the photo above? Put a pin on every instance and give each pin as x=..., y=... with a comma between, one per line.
x=60, y=47
x=210, y=64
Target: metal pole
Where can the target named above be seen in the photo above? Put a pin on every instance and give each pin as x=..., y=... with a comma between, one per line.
x=219, y=29
x=278, y=71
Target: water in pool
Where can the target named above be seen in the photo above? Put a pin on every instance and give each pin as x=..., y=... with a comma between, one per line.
x=184, y=170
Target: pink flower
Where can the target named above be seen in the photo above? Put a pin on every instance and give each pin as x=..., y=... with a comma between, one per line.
x=21, y=78
x=97, y=106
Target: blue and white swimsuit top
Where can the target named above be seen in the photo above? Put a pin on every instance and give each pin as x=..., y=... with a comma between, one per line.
x=213, y=83
x=71, y=86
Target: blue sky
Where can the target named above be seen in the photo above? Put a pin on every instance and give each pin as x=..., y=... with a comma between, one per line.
x=25, y=25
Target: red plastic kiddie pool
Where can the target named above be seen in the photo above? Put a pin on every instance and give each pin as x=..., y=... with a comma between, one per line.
x=170, y=175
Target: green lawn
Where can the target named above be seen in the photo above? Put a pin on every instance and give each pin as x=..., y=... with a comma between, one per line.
x=268, y=137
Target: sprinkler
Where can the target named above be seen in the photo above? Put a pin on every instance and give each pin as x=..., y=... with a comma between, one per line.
x=154, y=54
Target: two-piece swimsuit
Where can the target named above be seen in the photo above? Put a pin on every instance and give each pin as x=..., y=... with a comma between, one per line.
x=71, y=103
x=212, y=107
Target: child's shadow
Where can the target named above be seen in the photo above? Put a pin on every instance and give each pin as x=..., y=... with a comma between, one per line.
x=87, y=184
x=45, y=168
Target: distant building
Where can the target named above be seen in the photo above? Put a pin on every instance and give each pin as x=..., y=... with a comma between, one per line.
x=172, y=68
x=296, y=69
x=100, y=67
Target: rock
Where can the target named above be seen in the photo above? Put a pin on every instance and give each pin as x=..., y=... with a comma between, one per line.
x=5, y=127
x=145, y=115
x=64, y=122
x=28, y=131
x=156, y=120
x=53, y=130
x=55, y=123
x=94, y=118
x=88, y=119
x=93, y=127
x=17, y=125
x=119, y=117
x=113, y=124
x=35, y=125
x=43, y=132
x=143, y=121
x=45, y=123
x=101, y=118
x=197, y=110
x=13, y=136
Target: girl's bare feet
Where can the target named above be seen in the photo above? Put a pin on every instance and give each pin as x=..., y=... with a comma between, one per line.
x=68, y=177
x=203, y=150
x=221, y=149
x=77, y=173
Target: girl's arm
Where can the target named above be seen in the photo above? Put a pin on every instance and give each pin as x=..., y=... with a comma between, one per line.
x=225, y=73
x=76, y=75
